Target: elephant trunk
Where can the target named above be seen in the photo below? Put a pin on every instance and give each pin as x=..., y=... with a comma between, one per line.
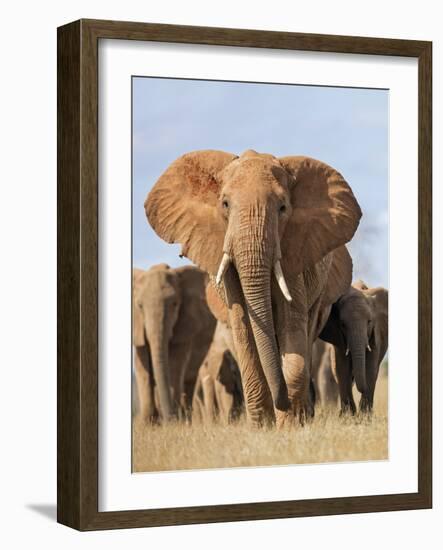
x=357, y=348
x=160, y=366
x=254, y=252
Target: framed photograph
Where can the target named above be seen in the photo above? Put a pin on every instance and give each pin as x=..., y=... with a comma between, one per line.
x=244, y=274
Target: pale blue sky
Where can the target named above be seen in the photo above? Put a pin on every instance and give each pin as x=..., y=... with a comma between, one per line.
x=344, y=127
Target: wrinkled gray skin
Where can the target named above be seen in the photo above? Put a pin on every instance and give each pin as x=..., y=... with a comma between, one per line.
x=358, y=328
x=172, y=332
x=218, y=394
x=323, y=373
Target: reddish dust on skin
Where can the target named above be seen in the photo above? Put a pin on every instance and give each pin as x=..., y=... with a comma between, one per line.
x=201, y=183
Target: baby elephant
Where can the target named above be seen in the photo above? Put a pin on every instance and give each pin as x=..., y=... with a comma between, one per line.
x=358, y=328
x=172, y=332
x=218, y=391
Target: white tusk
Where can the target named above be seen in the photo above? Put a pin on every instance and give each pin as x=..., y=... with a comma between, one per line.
x=369, y=347
x=347, y=352
x=281, y=281
x=223, y=267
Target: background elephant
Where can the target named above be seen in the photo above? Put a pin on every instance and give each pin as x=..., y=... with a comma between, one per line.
x=218, y=392
x=172, y=332
x=270, y=233
x=358, y=328
x=323, y=373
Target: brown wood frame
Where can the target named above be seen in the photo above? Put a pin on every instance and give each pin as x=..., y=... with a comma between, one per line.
x=77, y=353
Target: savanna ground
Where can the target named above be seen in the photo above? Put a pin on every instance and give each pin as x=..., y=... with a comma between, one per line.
x=328, y=438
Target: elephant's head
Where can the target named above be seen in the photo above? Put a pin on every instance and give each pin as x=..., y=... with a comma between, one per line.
x=260, y=216
x=157, y=300
x=358, y=325
x=356, y=321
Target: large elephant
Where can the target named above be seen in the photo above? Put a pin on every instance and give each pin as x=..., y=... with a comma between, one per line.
x=323, y=373
x=358, y=328
x=218, y=392
x=172, y=331
x=244, y=219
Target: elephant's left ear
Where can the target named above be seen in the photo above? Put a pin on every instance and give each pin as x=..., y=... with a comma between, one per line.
x=381, y=297
x=339, y=276
x=325, y=213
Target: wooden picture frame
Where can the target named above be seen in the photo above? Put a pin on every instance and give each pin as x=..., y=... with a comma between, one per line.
x=77, y=456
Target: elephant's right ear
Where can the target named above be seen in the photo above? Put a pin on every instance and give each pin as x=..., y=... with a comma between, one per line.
x=183, y=207
x=381, y=297
x=138, y=330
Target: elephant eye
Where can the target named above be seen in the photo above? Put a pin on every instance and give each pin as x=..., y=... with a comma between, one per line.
x=225, y=204
x=139, y=304
x=282, y=208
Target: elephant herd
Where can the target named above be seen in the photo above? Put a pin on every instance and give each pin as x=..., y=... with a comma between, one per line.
x=269, y=323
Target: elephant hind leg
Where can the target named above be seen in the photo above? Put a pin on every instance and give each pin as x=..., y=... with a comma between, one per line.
x=179, y=357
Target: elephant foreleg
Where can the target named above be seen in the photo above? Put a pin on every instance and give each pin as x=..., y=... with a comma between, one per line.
x=145, y=387
x=209, y=397
x=296, y=372
x=372, y=367
x=225, y=402
x=327, y=382
x=329, y=388
x=179, y=356
x=344, y=377
x=197, y=401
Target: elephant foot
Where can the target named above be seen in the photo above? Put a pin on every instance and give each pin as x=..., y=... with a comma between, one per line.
x=261, y=419
x=294, y=416
x=284, y=419
x=348, y=409
x=365, y=405
x=309, y=412
x=148, y=420
x=365, y=413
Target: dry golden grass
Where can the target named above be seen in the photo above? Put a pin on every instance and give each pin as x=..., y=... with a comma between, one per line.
x=328, y=438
